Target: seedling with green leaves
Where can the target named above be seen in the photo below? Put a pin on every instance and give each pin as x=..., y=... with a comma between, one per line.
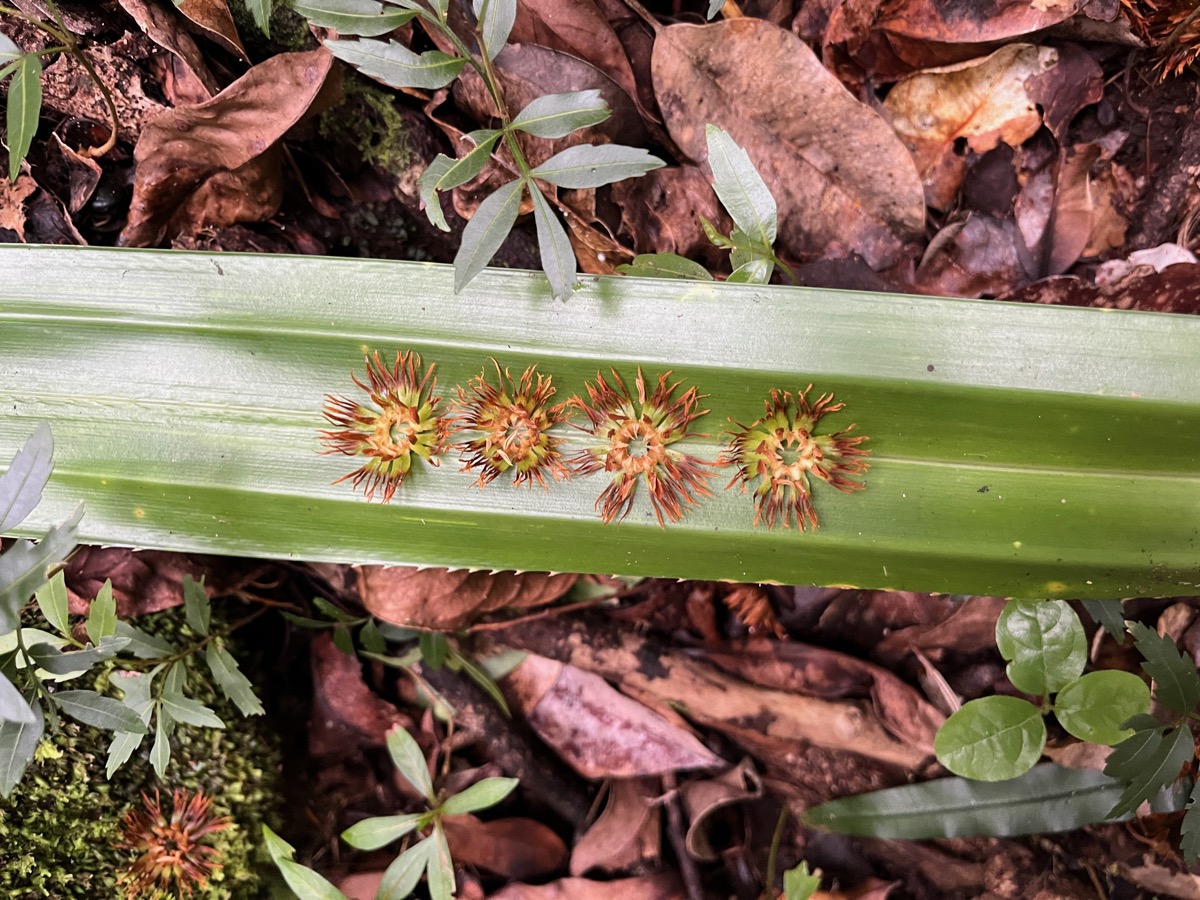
x=429, y=856
x=552, y=116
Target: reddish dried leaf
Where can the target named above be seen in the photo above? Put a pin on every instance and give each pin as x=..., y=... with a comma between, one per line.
x=192, y=78
x=184, y=147
x=970, y=628
x=704, y=798
x=13, y=195
x=976, y=257
x=1175, y=289
x=515, y=848
x=841, y=177
x=346, y=714
x=628, y=832
x=449, y=599
x=213, y=19
x=661, y=212
x=596, y=730
x=954, y=22
x=1066, y=88
x=82, y=173
x=664, y=886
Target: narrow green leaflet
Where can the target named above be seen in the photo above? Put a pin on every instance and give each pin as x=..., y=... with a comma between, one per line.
x=482, y=677
x=196, y=605
x=9, y=52
x=991, y=739
x=160, y=751
x=430, y=201
x=397, y=66
x=342, y=640
x=260, y=10
x=1044, y=642
x=1190, y=830
x=799, y=883
x=333, y=612
x=231, y=681
x=740, y=188
x=306, y=883
x=1096, y=706
x=557, y=115
x=1045, y=799
x=371, y=639
x=714, y=7
x=441, y=867
x=102, y=614
x=665, y=265
x=52, y=601
x=445, y=173
x=479, y=796
x=410, y=761
x=51, y=659
x=364, y=18
x=371, y=834
x=141, y=644
x=1147, y=761
x=754, y=271
x=23, y=567
x=1176, y=684
x=135, y=686
x=593, y=165
x=22, y=484
x=403, y=875
x=486, y=231
x=435, y=649
x=1110, y=614
x=99, y=711
x=24, y=110
x=558, y=257
x=19, y=736
x=188, y=711
x=496, y=19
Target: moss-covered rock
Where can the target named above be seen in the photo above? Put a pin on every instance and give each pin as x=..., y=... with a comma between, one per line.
x=59, y=827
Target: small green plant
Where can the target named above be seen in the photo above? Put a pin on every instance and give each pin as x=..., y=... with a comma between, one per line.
x=996, y=738
x=552, y=116
x=429, y=856
x=799, y=883
x=755, y=215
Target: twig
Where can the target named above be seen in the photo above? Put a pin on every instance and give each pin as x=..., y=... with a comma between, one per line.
x=675, y=831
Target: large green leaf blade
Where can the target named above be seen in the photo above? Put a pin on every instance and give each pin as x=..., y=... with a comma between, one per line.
x=1047, y=798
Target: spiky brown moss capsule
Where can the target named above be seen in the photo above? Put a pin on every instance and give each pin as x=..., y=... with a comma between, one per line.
x=636, y=435
x=401, y=422
x=779, y=452
x=511, y=421
x=174, y=859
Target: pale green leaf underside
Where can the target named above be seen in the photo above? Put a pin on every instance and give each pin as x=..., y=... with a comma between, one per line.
x=1016, y=449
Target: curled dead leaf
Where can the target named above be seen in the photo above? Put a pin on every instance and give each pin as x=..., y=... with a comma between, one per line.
x=516, y=848
x=213, y=19
x=628, y=832
x=449, y=599
x=843, y=180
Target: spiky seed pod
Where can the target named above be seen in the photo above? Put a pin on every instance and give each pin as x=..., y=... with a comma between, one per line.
x=174, y=858
x=636, y=434
x=401, y=422
x=511, y=421
x=777, y=454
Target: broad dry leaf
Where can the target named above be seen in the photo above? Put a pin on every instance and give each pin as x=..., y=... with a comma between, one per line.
x=213, y=19
x=627, y=834
x=186, y=146
x=984, y=101
x=192, y=77
x=661, y=212
x=449, y=599
x=346, y=714
x=13, y=195
x=972, y=257
x=663, y=886
x=515, y=848
x=955, y=22
x=1063, y=90
x=1173, y=290
x=843, y=180
x=598, y=731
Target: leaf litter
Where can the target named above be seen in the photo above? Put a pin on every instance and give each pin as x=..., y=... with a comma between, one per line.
x=1008, y=150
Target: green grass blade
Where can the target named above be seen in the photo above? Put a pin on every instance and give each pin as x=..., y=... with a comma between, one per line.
x=1016, y=450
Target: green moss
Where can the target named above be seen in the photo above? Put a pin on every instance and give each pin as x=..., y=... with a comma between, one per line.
x=58, y=828
x=289, y=30
x=368, y=122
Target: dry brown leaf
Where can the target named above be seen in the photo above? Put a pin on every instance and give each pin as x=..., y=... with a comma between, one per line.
x=984, y=101
x=704, y=797
x=628, y=832
x=953, y=22
x=346, y=714
x=841, y=177
x=213, y=19
x=975, y=257
x=971, y=628
x=192, y=78
x=13, y=195
x=186, y=146
x=1066, y=88
x=596, y=730
x=661, y=212
x=449, y=599
x=663, y=886
x=515, y=848
x=1175, y=289
x=82, y=172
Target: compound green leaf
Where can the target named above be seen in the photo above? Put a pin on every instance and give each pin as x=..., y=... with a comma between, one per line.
x=740, y=188
x=196, y=605
x=25, y=566
x=160, y=750
x=593, y=165
x=1176, y=683
x=557, y=115
x=141, y=644
x=1147, y=761
x=231, y=681
x=397, y=66
x=364, y=18
x=1096, y=706
x=1044, y=642
x=20, y=730
x=991, y=739
x=1047, y=798
x=52, y=601
x=188, y=711
x=1109, y=613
